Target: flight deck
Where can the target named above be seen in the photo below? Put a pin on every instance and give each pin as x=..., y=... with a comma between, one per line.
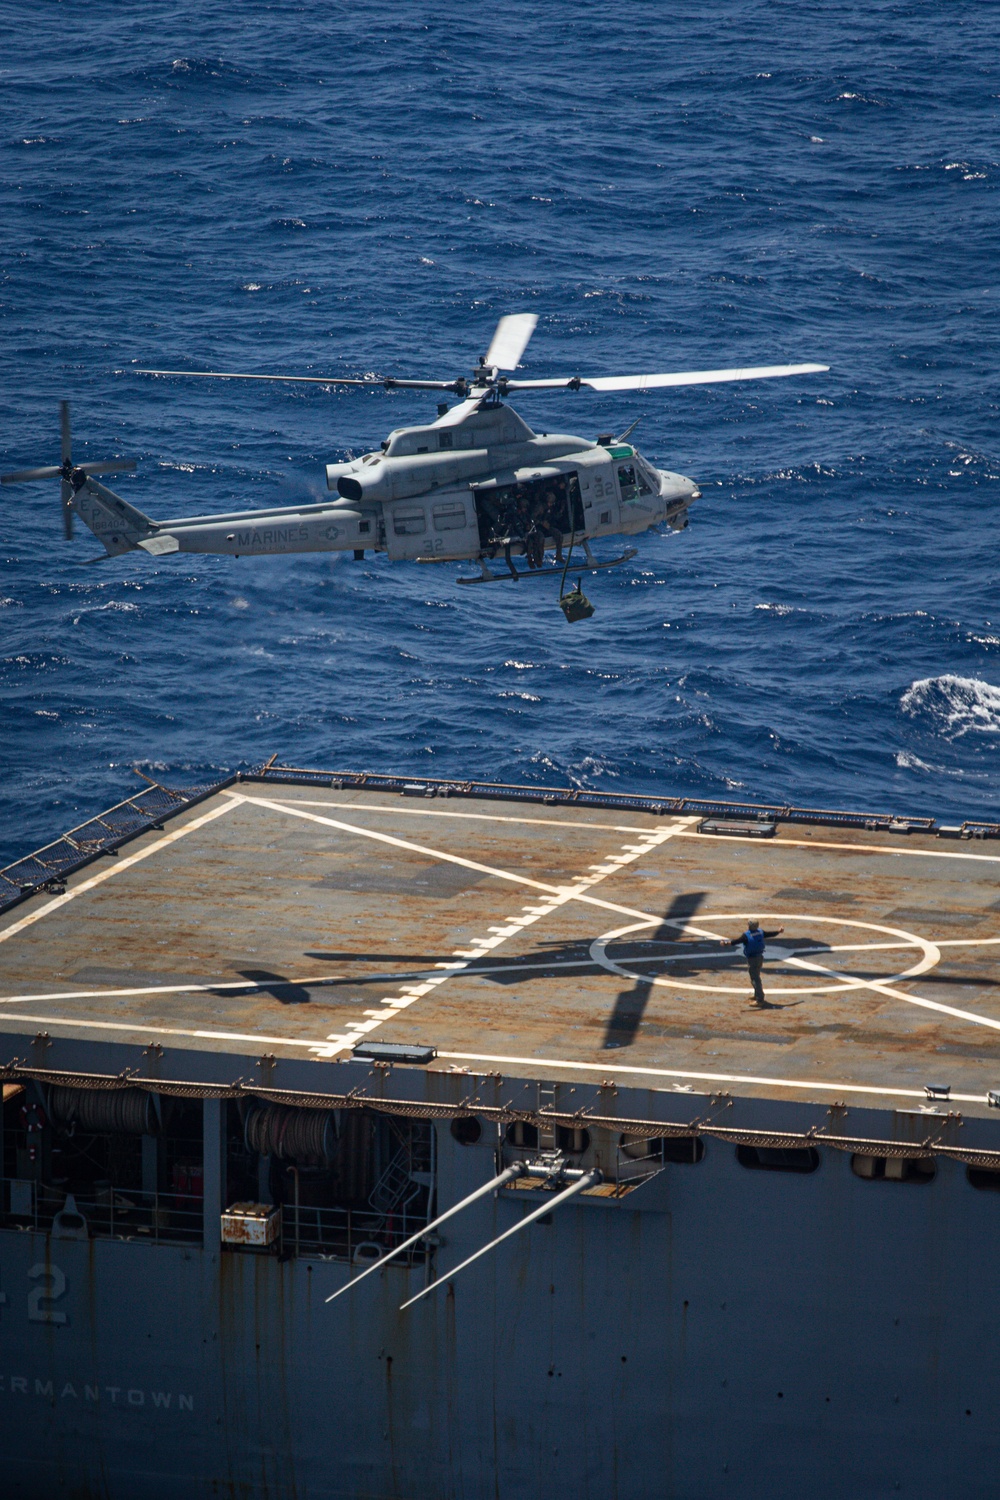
x=304, y=915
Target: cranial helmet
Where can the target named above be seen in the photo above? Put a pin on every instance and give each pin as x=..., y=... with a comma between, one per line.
x=753, y=924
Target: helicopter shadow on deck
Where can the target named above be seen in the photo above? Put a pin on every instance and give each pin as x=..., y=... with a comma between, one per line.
x=688, y=957
x=559, y=960
x=691, y=958
x=630, y=1006
x=285, y=991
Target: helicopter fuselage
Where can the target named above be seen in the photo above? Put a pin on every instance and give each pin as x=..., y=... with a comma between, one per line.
x=473, y=484
x=451, y=490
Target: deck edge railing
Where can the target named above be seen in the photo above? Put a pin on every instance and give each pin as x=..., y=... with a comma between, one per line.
x=103, y=835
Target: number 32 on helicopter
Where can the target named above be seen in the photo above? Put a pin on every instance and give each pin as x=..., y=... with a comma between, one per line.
x=476, y=485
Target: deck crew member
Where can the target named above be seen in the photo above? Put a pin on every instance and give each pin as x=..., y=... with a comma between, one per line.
x=754, y=942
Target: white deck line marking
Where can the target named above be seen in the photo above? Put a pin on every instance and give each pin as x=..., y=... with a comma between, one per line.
x=556, y=894
x=236, y=986
x=214, y=1036
x=844, y=981
x=116, y=869
x=354, y=1031
x=603, y=1067
x=429, y=812
x=964, y=942
x=634, y=852
x=388, y=838
x=894, y=994
x=612, y=1067
x=426, y=812
x=779, y=843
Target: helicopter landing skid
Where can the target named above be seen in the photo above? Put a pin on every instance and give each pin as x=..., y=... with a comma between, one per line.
x=553, y=570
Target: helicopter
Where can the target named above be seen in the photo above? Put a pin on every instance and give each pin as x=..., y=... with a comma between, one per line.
x=474, y=485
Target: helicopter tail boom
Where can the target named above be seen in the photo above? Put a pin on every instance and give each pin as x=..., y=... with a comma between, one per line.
x=118, y=526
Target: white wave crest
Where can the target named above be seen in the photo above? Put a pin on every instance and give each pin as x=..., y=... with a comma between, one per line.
x=907, y=761
x=955, y=705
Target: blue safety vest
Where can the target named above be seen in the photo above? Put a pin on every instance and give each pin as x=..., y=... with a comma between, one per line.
x=753, y=943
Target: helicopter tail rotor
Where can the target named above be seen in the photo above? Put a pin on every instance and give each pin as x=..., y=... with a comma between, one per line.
x=66, y=487
x=65, y=470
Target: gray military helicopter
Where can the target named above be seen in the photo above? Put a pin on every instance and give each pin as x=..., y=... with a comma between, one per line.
x=474, y=485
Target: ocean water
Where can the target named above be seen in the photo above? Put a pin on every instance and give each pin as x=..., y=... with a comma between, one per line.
x=366, y=187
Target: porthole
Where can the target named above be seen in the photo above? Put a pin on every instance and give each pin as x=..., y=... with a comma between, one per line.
x=778, y=1158
x=572, y=1139
x=467, y=1130
x=893, y=1168
x=521, y=1133
x=680, y=1149
x=986, y=1179
x=683, y=1149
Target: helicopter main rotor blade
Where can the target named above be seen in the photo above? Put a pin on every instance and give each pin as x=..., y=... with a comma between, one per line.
x=64, y=433
x=458, y=413
x=656, y=382
x=510, y=340
x=389, y=382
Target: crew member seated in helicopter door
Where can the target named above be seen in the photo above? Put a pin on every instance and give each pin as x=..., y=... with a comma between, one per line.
x=529, y=514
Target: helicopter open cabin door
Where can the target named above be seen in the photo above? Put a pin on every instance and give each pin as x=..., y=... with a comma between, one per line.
x=543, y=506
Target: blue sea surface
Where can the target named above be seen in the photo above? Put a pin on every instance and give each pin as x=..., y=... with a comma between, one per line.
x=367, y=187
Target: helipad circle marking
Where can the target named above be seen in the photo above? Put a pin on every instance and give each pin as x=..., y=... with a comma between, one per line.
x=930, y=955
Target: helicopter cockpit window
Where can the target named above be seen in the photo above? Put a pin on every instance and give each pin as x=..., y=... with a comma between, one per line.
x=627, y=482
x=409, y=522
x=635, y=480
x=648, y=482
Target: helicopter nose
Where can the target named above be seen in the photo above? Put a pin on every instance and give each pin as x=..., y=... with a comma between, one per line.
x=674, y=487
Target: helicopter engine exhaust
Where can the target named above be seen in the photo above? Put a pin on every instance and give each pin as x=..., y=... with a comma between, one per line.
x=349, y=488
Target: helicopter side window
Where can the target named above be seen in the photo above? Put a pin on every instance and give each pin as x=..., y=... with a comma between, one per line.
x=445, y=439
x=409, y=522
x=626, y=481
x=450, y=516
